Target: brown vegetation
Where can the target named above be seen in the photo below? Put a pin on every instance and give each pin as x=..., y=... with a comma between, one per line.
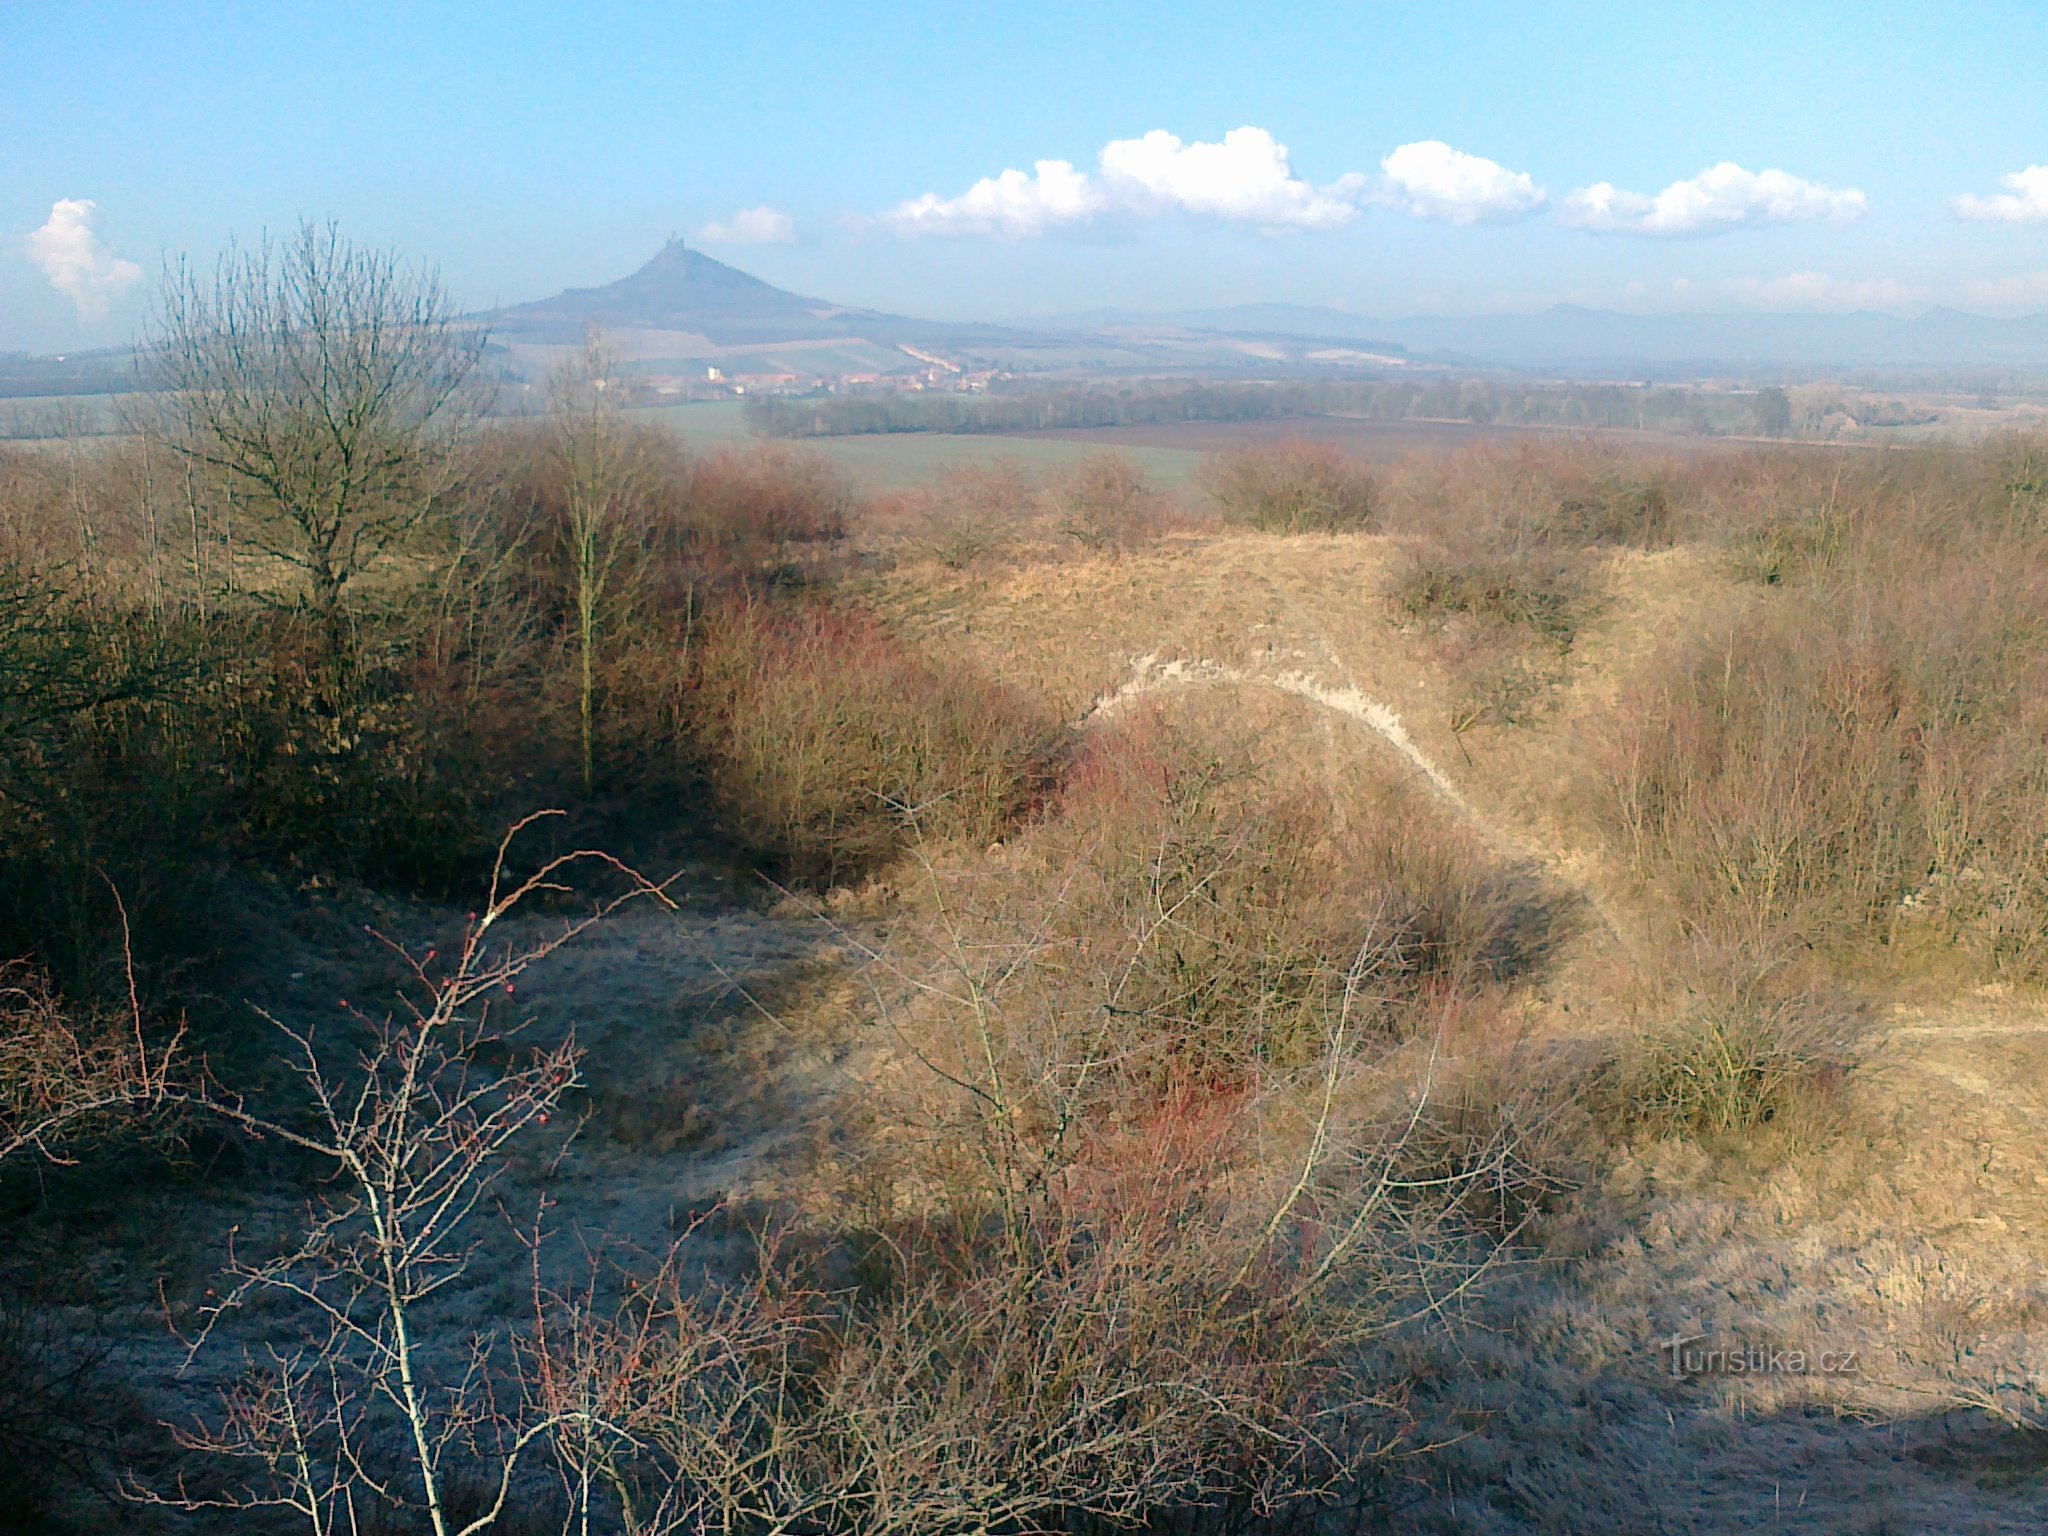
x=826, y=743
x=1177, y=1073
x=1105, y=504
x=1296, y=486
x=1858, y=762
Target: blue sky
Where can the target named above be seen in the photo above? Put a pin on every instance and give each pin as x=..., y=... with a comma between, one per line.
x=1389, y=159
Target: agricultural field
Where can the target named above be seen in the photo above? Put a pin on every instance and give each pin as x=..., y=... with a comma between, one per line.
x=901, y=461
x=1170, y=453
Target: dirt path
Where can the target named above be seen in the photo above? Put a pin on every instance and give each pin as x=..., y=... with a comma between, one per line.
x=1151, y=675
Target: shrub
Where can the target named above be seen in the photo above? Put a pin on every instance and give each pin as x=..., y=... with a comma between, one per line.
x=1139, y=1166
x=1731, y=1051
x=64, y=1079
x=1229, y=912
x=108, y=775
x=362, y=776
x=1106, y=503
x=59, y=1413
x=2021, y=468
x=1516, y=588
x=1295, y=486
x=969, y=513
x=1712, y=1073
x=1615, y=507
x=753, y=503
x=1558, y=495
x=1851, y=767
x=1121, y=1356
x=823, y=740
x=685, y=521
x=1506, y=537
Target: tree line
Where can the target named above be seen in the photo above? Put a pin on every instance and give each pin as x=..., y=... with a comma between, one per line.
x=1038, y=408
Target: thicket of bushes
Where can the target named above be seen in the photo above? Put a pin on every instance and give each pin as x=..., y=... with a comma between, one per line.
x=1509, y=537
x=158, y=725
x=1858, y=758
x=827, y=744
x=976, y=515
x=1296, y=486
x=1851, y=758
x=1174, y=1335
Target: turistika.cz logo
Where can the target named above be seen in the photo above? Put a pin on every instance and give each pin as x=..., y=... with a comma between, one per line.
x=1687, y=1355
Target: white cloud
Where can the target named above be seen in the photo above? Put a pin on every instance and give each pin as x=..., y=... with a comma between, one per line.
x=1722, y=197
x=1247, y=179
x=751, y=226
x=2025, y=200
x=1012, y=205
x=77, y=265
x=1431, y=180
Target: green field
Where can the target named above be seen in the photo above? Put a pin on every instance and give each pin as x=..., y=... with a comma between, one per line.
x=886, y=463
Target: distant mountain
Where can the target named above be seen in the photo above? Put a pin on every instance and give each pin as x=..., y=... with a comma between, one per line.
x=682, y=290
x=685, y=311
x=1571, y=338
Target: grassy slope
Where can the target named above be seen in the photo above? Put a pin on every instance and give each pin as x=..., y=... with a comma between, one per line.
x=1911, y=1236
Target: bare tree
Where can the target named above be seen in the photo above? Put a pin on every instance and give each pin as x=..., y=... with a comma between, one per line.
x=376, y=1403
x=321, y=381
x=601, y=469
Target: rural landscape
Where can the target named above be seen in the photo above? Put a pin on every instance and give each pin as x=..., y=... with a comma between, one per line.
x=683, y=908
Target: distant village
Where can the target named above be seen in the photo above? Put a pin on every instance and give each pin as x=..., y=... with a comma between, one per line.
x=937, y=375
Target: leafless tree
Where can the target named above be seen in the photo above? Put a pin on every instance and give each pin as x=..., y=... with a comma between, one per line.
x=602, y=468
x=321, y=382
x=374, y=1403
